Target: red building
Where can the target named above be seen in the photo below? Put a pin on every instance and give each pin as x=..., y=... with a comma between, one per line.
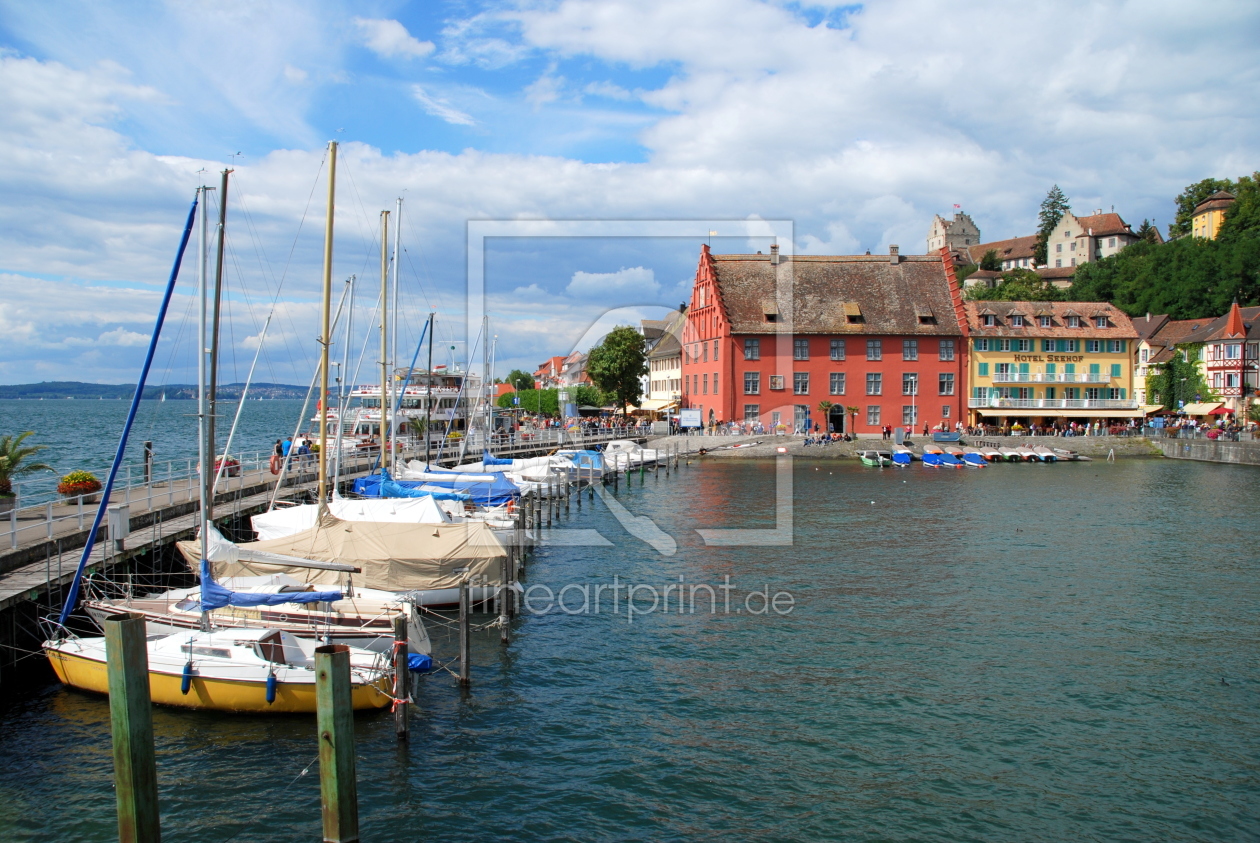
x=881, y=338
x=1231, y=357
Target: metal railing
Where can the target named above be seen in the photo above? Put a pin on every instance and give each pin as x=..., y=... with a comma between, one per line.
x=1052, y=377
x=39, y=512
x=1053, y=403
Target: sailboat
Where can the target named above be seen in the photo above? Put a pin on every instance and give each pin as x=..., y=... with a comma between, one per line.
x=255, y=669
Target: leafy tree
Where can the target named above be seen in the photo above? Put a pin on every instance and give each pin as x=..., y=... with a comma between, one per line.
x=537, y=402
x=1053, y=207
x=1191, y=196
x=1018, y=285
x=1148, y=233
x=1242, y=220
x=15, y=461
x=964, y=271
x=589, y=396
x=1178, y=379
x=520, y=380
x=991, y=261
x=617, y=364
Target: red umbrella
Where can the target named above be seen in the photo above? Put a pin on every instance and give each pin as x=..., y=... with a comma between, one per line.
x=1219, y=411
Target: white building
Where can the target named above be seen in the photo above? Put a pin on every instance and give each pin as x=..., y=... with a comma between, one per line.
x=1076, y=240
x=958, y=233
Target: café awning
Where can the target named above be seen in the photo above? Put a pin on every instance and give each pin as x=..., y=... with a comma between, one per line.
x=1204, y=408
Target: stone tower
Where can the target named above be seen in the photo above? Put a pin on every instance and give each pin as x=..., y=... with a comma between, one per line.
x=958, y=233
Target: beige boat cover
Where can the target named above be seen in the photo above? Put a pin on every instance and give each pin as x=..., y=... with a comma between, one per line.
x=392, y=556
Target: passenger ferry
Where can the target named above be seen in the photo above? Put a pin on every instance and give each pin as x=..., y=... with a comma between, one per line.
x=446, y=397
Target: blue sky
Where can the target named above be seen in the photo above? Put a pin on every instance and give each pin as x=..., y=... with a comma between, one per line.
x=856, y=122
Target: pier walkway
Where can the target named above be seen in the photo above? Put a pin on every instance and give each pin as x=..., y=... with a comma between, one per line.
x=41, y=545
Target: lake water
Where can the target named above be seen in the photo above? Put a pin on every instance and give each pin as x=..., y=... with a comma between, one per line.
x=1022, y=652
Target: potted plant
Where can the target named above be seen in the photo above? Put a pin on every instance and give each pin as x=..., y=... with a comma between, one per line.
x=80, y=483
x=14, y=463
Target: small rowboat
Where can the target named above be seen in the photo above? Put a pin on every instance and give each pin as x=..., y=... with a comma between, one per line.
x=930, y=448
x=875, y=458
x=1010, y=454
x=951, y=460
x=902, y=456
x=953, y=450
x=1026, y=453
x=991, y=454
x=1045, y=454
x=932, y=459
x=974, y=460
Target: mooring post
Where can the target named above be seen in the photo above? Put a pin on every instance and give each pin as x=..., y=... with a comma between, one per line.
x=131, y=722
x=568, y=490
x=338, y=788
x=505, y=591
x=465, y=634
x=148, y=463
x=401, y=683
x=616, y=476
x=579, y=488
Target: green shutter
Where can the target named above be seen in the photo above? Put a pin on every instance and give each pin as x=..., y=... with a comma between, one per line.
x=984, y=370
x=1124, y=344
x=1023, y=368
x=1122, y=395
x=1060, y=346
x=1115, y=370
x=1050, y=368
x=1069, y=368
x=1050, y=392
x=1093, y=369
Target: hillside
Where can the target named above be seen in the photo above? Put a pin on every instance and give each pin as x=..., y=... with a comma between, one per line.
x=93, y=391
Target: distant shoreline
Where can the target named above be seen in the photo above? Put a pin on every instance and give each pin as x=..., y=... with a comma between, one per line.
x=54, y=390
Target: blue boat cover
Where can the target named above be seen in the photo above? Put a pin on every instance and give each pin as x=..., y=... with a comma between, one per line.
x=949, y=459
x=488, y=458
x=932, y=459
x=495, y=493
x=901, y=458
x=588, y=459
x=373, y=486
x=215, y=596
x=418, y=662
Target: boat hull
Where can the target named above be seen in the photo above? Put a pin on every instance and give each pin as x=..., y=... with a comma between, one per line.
x=89, y=674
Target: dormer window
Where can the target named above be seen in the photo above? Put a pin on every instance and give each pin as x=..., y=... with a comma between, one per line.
x=1100, y=321
x=990, y=320
x=1067, y=234
x=1074, y=321
x=1045, y=321
x=1017, y=321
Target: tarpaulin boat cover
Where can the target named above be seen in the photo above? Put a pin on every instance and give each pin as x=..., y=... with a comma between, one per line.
x=499, y=491
x=289, y=520
x=383, y=486
x=391, y=556
x=215, y=596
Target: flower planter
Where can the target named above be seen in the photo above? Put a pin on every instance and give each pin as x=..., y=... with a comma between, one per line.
x=92, y=497
x=6, y=504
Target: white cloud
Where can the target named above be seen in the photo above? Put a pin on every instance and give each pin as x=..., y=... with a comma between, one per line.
x=440, y=108
x=389, y=38
x=607, y=90
x=122, y=337
x=544, y=89
x=296, y=75
x=635, y=281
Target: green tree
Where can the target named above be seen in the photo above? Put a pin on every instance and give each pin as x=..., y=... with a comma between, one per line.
x=1018, y=285
x=1191, y=196
x=617, y=364
x=536, y=402
x=520, y=380
x=1148, y=233
x=1178, y=379
x=589, y=396
x=1242, y=220
x=964, y=271
x=15, y=461
x=991, y=261
x=1053, y=207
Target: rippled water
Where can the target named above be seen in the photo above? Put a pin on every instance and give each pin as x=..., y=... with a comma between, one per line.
x=1017, y=653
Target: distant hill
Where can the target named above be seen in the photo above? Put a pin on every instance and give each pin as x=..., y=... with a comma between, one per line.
x=174, y=391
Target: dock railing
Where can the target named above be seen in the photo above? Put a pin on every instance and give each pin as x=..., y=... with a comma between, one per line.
x=40, y=513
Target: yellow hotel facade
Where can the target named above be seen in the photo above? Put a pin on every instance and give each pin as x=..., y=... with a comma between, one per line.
x=1047, y=363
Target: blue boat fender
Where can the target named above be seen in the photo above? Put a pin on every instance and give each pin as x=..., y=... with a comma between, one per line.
x=185, y=682
x=271, y=687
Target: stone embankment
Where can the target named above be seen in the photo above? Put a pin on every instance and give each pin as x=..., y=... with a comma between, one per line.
x=1097, y=447
x=1208, y=450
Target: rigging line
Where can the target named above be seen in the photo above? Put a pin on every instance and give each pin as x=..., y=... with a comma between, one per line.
x=367, y=254
x=427, y=277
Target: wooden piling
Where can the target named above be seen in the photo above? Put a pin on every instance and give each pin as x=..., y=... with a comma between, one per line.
x=131, y=722
x=465, y=635
x=338, y=787
x=400, y=675
x=505, y=591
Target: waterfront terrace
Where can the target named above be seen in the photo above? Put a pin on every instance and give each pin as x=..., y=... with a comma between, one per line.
x=770, y=337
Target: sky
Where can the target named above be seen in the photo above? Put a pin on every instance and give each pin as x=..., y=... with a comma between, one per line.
x=854, y=122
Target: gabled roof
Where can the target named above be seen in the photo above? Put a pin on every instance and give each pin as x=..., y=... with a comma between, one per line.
x=1148, y=325
x=1012, y=249
x=825, y=291
x=1054, y=273
x=1120, y=328
x=1103, y=225
x=1235, y=324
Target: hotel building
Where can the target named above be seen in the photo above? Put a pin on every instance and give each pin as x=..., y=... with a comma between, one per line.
x=1040, y=363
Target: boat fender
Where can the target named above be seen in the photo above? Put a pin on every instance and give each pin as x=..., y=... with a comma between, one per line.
x=271, y=687
x=185, y=682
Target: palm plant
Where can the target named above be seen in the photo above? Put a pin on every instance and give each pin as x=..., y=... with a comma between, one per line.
x=14, y=461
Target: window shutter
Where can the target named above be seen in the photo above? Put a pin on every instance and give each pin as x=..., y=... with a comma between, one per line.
x=1023, y=368
x=1093, y=369
x=1115, y=370
x=1050, y=368
x=984, y=370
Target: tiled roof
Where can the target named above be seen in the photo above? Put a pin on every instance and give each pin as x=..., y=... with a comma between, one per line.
x=1012, y=249
x=1102, y=225
x=1218, y=201
x=670, y=342
x=1148, y=325
x=826, y=291
x=1177, y=331
x=1056, y=272
x=1120, y=328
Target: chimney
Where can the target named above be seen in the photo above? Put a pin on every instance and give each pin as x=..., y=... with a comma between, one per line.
x=774, y=255
x=1148, y=316
x=894, y=254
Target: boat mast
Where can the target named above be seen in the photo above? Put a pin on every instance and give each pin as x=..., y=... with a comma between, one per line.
x=428, y=398
x=341, y=378
x=203, y=457
x=214, y=332
x=324, y=333
x=402, y=388
x=384, y=340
